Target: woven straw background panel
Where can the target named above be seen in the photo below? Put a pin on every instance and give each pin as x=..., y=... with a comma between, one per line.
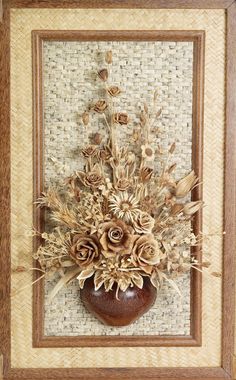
x=22, y=22
x=70, y=85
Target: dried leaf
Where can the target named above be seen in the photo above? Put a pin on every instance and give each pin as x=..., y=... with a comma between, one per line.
x=63, y=281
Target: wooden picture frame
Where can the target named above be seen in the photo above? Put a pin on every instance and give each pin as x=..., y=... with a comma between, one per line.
x=226, y=370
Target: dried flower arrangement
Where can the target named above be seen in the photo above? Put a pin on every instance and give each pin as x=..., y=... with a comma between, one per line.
x=118, y=221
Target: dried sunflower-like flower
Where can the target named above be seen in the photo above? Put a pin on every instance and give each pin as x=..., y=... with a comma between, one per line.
x=89, y=151
x=121, y=118
x=100, y=106
x=103, y=74
x=143, y=223
x=84, y=249
x=114, y=91
x=146, y=251
x=116, y=236
x=124, y=206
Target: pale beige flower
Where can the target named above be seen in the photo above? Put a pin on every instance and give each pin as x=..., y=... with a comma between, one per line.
x=116, y=236
x=146, y=251
x=148, y=153
x=143, y=223
x=124, y=206
x=185, y=185
x=84, y=249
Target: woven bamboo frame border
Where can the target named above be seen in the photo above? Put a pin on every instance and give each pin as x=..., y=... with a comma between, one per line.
x=198, y=39
x=21, y=316
x=225, y=370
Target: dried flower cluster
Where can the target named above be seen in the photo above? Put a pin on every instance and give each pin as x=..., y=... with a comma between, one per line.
x=118, y=220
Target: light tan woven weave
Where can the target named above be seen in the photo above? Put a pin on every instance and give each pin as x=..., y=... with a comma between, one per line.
x=22, y=22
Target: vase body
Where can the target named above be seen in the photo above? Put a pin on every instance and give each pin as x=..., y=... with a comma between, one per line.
x=130, y=306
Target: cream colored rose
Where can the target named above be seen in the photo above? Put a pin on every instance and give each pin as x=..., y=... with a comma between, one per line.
x=146, y=251
x=143, y=223
x=116, y=236
x=85, y=249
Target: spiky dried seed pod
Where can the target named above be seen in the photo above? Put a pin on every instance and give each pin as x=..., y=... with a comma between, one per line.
x=108, y=57
x=85, y=118
x=143, y=119
x=103, y=74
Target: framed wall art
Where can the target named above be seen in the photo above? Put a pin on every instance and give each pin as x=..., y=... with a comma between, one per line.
x=117, y=189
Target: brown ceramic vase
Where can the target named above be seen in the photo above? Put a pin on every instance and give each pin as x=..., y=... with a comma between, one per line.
x=131, y=305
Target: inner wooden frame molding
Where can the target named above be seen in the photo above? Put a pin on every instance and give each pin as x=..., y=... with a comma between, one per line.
x=38, y=38
x=227, y=368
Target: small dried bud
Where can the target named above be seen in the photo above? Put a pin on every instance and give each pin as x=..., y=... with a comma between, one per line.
x=155, y=95
x=185, y=185
x=103, y=74
x=159, y=113
x=171, y=168
x=145, y=106
x=172, y=148
x=136, y=135
x=113, y=91
x=146, y=174
x=85, y=118
x=89, y=151
x=96, y=138
x=108, y=57
x=100, y=106
x=121, y=118
x=143, y=119
x=192, y=207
